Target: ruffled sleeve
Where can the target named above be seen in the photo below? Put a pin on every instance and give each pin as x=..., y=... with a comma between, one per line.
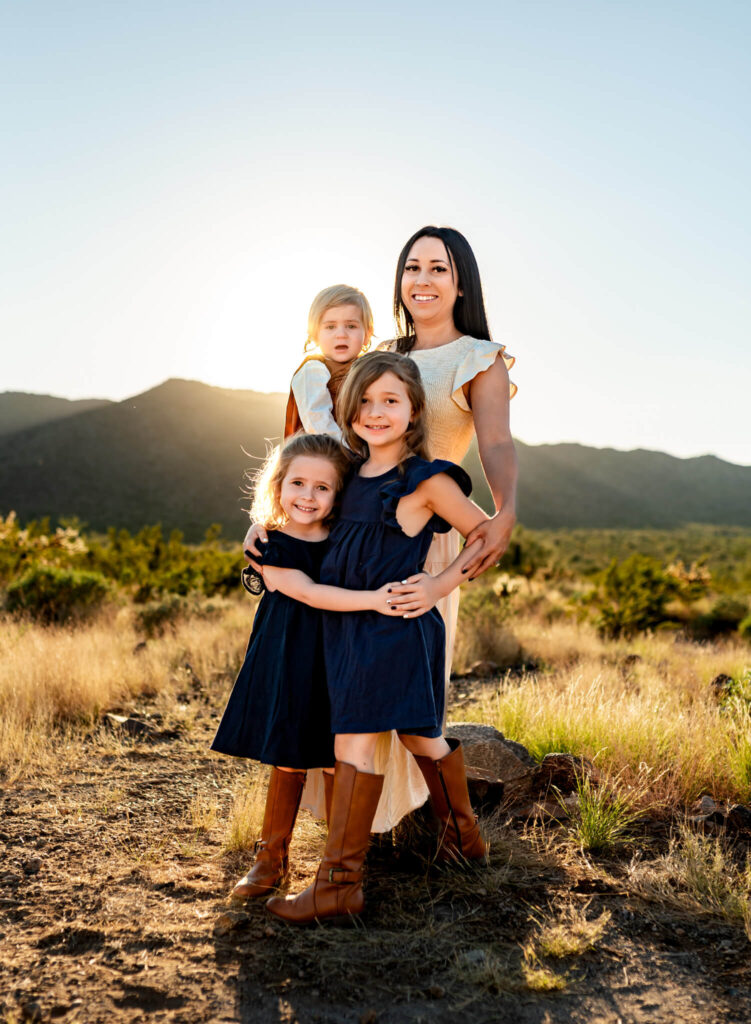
x=282, y=551
x=477, y=359
x=415, y=471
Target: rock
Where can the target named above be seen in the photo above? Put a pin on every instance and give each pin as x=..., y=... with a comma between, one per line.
x=369, y=1017
x=475, y=957
x=32, y=866
x=721, y=684
x=229, y=921
x=488, y=749
x=485, y=790
x=704, y=805
x=436, y=992
x=628, y=662
x=557, y=771
x=134, y=727
x=564, y=771
x=738, y=819
x=31, y=1011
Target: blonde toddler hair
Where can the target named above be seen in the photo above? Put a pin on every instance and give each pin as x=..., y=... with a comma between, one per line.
x=337, y=295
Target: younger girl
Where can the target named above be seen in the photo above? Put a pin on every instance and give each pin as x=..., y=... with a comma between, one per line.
x=278, y=712
x=383, y=673
x=340, y=326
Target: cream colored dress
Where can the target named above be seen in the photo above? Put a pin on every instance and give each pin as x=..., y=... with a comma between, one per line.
x=444, y=371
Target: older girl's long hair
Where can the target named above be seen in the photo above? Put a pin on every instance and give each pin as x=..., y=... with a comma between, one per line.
x=366, y=371
x=267, y=482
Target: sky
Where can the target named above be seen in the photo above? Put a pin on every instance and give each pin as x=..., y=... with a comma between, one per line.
x=178, y=180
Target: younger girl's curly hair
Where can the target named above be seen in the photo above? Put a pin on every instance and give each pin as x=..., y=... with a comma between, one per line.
x=267, y=482
x=365, y=371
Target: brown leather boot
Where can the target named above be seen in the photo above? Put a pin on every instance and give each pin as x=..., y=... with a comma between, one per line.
x=271, y=863
x=336, y=891
x=446, y=779
x=328, y=792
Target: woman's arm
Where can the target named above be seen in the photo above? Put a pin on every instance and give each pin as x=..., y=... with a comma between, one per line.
x=295, y=584
x=488, y=397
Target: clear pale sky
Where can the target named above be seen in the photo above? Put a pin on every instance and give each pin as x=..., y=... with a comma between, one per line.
x=179, y=179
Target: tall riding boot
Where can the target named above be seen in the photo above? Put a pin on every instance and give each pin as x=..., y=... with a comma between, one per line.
x=328, y=792
x=336, y=891
x=271, y=863
x=446, y=779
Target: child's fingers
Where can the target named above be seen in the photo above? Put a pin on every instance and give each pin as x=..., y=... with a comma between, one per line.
x=400, y=588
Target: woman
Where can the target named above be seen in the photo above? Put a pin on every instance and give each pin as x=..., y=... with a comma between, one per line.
x=442, y=325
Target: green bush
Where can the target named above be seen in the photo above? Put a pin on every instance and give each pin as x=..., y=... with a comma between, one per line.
x=744, y=628
x=52, y=595
x=632, y=596
x=725, y=616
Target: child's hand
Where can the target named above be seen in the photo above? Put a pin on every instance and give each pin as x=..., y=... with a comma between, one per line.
x=413, y=596
x=255, y=533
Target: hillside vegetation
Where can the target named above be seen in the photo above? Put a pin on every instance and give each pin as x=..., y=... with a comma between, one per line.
x=178, y=455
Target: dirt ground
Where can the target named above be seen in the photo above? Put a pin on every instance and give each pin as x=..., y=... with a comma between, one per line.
x=113, y=906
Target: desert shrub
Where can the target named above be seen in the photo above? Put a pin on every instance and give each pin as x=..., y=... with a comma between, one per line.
x=155, y=618
x=48, y=594
x=744, y=628
x=481, y=634
x=632, y=596
x=725, y=616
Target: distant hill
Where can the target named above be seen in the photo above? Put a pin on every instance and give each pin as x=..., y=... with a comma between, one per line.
x=19, y=410
x=175, y=455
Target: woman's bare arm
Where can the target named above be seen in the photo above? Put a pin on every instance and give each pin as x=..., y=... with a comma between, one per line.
x=488, y=397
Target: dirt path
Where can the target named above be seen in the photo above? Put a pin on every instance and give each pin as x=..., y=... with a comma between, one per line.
x=113, y=907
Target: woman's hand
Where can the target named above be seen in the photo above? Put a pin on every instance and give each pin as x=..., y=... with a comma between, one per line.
x=255, y=533
x=412, y=597
x=495, y=535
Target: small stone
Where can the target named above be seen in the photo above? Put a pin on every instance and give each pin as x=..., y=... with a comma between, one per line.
x=129, y=726
x=705, y=805
x=436, y=992
x=31, y=1011
x=269, y=932
x=369, y=1017
x=721, y=684
x=475, y=957
x=738, y=818
x=230, y=921
x=32, y=866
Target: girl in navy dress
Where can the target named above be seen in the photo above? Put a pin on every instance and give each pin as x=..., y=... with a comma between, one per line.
x=383, y=672
x=278, y=711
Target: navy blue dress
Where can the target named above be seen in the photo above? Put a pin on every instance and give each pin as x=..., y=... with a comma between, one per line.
x=384, y=673
x=278, y=711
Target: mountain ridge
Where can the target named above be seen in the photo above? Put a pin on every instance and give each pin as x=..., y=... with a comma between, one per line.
x=178, y=454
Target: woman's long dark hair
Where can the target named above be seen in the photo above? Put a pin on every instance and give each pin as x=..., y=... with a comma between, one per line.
x=469, y=309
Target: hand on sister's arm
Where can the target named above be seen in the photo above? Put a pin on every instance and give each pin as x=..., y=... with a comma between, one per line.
x=255, y=533
x=424, y=591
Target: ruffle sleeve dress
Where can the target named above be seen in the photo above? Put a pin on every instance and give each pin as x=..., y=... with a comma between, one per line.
x=278, y=712
x=384, y=672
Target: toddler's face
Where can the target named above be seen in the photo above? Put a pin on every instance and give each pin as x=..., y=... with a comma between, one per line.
x=342, y=335
x=309, y=489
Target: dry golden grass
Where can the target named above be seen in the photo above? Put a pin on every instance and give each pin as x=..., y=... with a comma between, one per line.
x=698, y=873
x=570, y=933
x=655, y=713
x=246, y=815
x=53, y=678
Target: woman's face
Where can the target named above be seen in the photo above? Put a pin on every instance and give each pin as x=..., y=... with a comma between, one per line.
x=429, y=284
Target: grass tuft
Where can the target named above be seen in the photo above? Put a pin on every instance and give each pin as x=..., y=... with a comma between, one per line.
x=246, y=815
x=571, y=934
x=698, y=873
x=604, y=816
